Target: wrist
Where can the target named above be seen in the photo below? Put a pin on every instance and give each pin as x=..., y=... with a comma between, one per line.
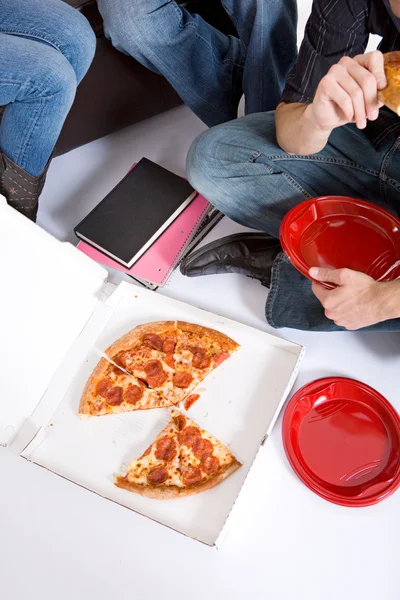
x=323, y=132
x=389, y=300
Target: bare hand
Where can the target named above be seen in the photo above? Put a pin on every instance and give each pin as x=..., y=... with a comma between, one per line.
x=349, y=92
x=359, y=300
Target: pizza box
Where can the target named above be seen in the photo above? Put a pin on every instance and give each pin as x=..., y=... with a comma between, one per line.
x=57, y=317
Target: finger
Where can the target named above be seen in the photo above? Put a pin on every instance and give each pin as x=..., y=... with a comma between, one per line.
x=368, y=83
x=374, y=62
x=336, y=276
x=330, y=91
x=351, y=87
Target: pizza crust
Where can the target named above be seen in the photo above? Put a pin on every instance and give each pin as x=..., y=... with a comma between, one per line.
x=91, y=384
x=169, y=492
x=127, y=341
x=223, y=340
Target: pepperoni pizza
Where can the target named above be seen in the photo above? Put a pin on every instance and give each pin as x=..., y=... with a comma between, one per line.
x=182, y=461
x=161, y=364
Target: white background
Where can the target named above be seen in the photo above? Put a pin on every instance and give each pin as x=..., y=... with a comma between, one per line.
x=60, y=541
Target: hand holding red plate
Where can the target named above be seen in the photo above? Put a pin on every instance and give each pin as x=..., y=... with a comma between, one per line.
x=358, y=300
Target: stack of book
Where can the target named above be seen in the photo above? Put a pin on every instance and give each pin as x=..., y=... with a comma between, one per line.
x=147, y=224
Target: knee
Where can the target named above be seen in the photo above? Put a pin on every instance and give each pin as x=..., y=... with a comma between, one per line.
x=202, y=159
x=54, y=76
x=131, y=24
x=79, y=44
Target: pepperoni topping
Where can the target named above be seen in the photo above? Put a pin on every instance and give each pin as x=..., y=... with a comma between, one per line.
x=188, y=435
x=115, y=396
x=157, y=475
x=192, y=475
x=209, y=465
x=168, y=345
x=147, y=452
x=219, y=358
x=152, y=340
x=190, y=400
x=202, y=448
x=180, y=422
x=104, y=386
x=170, y=360
x=200, y=358
x=133, y=394
x=165, y=449
x=121, y=359
x=182, y=379
x=155, y=373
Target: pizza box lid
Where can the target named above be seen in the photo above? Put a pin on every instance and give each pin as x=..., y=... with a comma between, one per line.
x=49, y=291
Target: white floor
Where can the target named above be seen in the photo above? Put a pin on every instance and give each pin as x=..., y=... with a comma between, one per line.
x=59, y=541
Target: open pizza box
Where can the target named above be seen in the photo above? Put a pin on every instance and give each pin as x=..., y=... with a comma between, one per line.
x=57, y=315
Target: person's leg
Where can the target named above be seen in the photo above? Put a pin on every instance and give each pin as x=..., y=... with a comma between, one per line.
x=203, y=65
x=240, y=168
x=55, y=23
x=46, y=48
x=267, y=28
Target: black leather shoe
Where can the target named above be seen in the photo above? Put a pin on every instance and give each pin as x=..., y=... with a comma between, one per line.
x=250, y=254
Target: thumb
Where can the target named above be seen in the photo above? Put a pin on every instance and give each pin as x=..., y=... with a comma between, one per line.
x=327, y=275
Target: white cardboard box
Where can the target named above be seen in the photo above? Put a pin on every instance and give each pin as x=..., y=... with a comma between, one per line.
x=57, y=316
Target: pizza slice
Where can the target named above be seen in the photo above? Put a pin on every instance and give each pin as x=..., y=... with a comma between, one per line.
x=183, y=460
x=199, y=350
x=109, y=391
x=390, y=95
x=165, y=362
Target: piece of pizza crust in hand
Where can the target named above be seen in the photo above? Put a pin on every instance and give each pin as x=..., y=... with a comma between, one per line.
x=163, y=363
x=390, y=95
x=183, y=460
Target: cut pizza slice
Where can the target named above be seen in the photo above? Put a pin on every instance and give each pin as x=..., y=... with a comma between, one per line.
x=109, y=391
x=390, y=95
x=166, y=361
x=183, y=460
x=199, y=350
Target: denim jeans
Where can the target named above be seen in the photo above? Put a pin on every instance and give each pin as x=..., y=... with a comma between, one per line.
x=208, y=69
x=46, y=48
x=241, y=169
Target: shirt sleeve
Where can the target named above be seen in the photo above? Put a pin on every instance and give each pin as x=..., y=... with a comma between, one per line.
x=335, y=28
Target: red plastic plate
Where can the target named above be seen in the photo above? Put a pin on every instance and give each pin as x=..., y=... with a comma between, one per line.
x=337, y=232
x=342, y=439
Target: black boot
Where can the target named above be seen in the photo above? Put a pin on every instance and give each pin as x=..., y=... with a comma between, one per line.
x=21, y=189
x=250, y=254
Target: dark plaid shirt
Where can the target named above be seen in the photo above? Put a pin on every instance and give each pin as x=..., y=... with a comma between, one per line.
x=339, y=28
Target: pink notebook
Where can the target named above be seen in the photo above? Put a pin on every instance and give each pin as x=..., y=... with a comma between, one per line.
x=162, y=257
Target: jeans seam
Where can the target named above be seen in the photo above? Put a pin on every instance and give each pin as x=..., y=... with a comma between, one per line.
x=35, y=37
x=320, y=159
x=383, y=178
x=254, y=158
x=273, y=290
x=23, y=150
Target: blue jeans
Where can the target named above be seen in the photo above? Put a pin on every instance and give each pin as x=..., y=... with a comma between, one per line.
x=241, y=169
x=208, y=69
x=46, y=47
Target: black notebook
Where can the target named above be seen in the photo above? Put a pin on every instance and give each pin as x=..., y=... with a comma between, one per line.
x=136, y=212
